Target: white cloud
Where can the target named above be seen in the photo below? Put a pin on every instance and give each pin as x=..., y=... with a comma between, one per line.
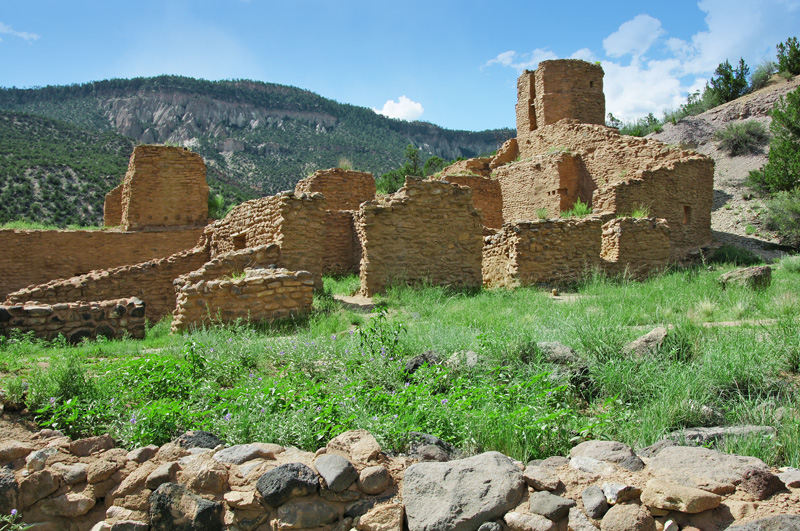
x=404, y=108
x=633, y=37
x=5, y=29
x=520, y=62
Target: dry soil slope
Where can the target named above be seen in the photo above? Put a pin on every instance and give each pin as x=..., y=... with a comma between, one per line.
x=734, y=206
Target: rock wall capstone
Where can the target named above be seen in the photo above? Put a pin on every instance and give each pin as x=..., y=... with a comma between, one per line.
x=343, y=189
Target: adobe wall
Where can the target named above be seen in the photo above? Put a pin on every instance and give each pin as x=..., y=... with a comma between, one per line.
x=260, y=295
x=32, y=257
x=342, y=251
x=231, y=264
x=477, y=166
x=112, y=207
x=635, y=247
x=293, y=221
x=149, y=281
x=552, y=182
x=343, y=189
x=546, y=251
x=486, y=196
x=165, y=186
x=428, y=231
x=559, y=89
x=112, y=319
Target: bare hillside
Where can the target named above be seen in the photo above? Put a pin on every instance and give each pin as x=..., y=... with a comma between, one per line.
x=737, y=216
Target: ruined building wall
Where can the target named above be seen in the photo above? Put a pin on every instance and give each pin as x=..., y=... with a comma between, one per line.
x=231, y=264
x=293, y=221
x=635, y=247
x=164, y=187
x=487, y=197
x=342, y=251
x=149, y=281
x=261, y=295
x=33, y=257
x=343, y=189
x=112, y=207
x=428, y=231
x=532, y=252
x=114, y=319
x=469, y=167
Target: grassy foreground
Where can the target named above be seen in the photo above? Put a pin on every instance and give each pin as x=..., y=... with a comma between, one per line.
x=301, y=383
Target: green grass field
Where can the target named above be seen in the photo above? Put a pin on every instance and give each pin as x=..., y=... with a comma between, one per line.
x=301, y=383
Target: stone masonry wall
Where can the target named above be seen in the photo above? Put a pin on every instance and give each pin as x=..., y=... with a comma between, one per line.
x=164, y=187
x=112, y=207
x=635, y=247
x=428, y=231
x=342, y=252
x=112, y=319
x=546, y=251
x=149, y=281
x=469, y=167
x=486, y=196
x=343, y=189
x=232, y=264
x=260, y=295
x=293, y=221
x=32, y=257
x=569, y=88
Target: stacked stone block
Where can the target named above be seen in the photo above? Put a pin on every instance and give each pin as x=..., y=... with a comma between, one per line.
x=486, y=196
x=260, y=294
x=635, y=247
x=112, y=319
x=428, y=231
x=343, y=189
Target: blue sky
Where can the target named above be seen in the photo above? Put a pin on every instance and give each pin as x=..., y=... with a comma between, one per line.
x=452, y=63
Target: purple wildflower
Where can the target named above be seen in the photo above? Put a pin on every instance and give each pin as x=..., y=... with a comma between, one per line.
x=228, y=416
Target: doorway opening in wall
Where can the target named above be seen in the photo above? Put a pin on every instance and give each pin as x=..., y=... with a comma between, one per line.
x=239, y=242
x=687, y=214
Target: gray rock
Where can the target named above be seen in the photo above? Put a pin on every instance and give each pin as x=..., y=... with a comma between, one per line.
x=784, y=522
x=757, y=278
x=338, y=472
x=527, y=522
x=361, y=507
x=71, y=474
x=709, y=470
x=646, y=344
x=162, y=474
x=240, y=453
x=129, y=525
x=143, y=454
x=594, y=502
x=628, y=517
x=591, y=465
x=490, y=526
x=461, y=495
x=174, y=508
x=554, y=461
x=374, y=479
x=307, y=514
x=706, y=436
x=429, y=357
x=790, y=477
x=632, y=463
x=558, y=353
x=611, y=451
x=550, y=506
x=38, y=459
x=9, y=491
x=579, y=522
x=540, y=478
x=282, y=483
x=424, y=447
x=652, y=450
x=198, y=439
x=617, y=493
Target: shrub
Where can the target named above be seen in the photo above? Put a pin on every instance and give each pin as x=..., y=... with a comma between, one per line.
x=730, y=83
x=542, y=213
x=640, y=126
x=783, y=216
x=789, y=56
x=641, y=211
x=696, y=103
x=742, y=138
x=782, y=171
x=578, y=210
x=762, y=75
x=791, y=263
x=345, y=164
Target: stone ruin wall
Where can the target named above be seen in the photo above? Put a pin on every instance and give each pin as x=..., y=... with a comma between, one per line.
x=487, y=197
x=112, y=207
x=259, y=295
x=149, y=281
x=343, y=189
x=232, y=264
x=293, y=221
x=428, y=231
x=564, y=88
x=164, y=187
x=635, y=247
x=545, y=251
x=112, y=319
x=477, y=166
x=32, y=257
x=342, y=251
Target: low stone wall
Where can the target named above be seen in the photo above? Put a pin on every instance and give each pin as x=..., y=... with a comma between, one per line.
x=343, y=189
x=112, y=319
x=149, y=281
x=635, y=247
x=428, y=231
x=232, y=264
x=260, y=295
x=32, y=257
x=486, y=196
x=477, y=166
x=547, y=251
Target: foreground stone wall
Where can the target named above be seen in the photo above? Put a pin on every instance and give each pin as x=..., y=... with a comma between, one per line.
x=32, y=257
x=487, y=197
x=114, y=319
x=635, y=247
x=149, y=281
x=428, y=231
x=343, y=189
x=546, y=251
x=260, y=295
x=164, y=187
x=293, y=221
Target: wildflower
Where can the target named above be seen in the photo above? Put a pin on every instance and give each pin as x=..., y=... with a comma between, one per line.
x=112, y=400
x=252, y=375
x=13, y=512
x=211, y=350
x=319, y=409
x=228, y=416
x=281, y=353
x=230, y=339
x=444, y=401
x=133, y=419
x=52, y=400
x=259, y=378
x=375, y=418
x=333, y=337
x=407, y=384
x=394, y=416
